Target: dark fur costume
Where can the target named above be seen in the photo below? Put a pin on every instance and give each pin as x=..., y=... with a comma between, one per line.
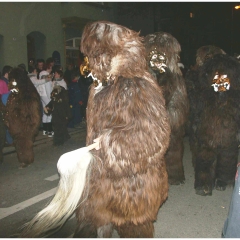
x=216, y=122
x=60, y=110
x=193, y=85
x=175, y=94
x=129, y=180
x=22, y=115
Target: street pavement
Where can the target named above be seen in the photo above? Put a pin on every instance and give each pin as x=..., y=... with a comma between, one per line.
x=24, y=192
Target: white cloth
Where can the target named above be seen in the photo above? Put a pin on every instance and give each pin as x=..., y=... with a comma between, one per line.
x=46, y=88
x=59, y=83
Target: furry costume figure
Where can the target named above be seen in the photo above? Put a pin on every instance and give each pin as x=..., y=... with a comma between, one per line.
x=193, y=85
x=61, y=112
x=163, y=52
x=22, y=115
x=216, y=122
x=126, y=178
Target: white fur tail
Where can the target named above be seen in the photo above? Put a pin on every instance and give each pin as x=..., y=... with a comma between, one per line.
x=72, y=167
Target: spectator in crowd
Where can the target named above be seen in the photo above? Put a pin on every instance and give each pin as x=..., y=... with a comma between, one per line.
x=60, y=110
x=50, y=61
x=75, y=100
x=5, y=71
x=40, y=65
x=36, y=82
x=58, y=79
x=23, y=67
x=31, y=63
x=4, y=92
x=3, y=87
x=58, y=67
x=84, y=84
x=68, y=74
x=45, y=94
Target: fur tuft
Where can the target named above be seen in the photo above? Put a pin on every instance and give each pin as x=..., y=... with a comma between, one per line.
x=73, y=168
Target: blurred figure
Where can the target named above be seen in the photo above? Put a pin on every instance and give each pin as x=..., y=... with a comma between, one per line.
x=45, y=94
x=5, y=71
x=60, y=110
x=50, y=61
x=231, y=225
x=58, y=79
x=68, y=73
x=31, y=63
x=23, y=67
x=75, y=100
x=40, y=65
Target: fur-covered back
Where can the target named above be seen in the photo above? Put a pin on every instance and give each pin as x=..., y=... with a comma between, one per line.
x=207, y=52
x=129, y=179
x=165, y=43
x=23, y=114
x=113, y=50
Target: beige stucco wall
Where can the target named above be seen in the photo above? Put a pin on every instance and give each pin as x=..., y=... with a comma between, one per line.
x=18, y=19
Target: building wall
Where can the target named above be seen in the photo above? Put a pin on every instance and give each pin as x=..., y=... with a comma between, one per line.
x=19, y=19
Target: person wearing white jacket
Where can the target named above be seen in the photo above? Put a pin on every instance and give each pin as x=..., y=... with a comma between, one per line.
x=45, y=94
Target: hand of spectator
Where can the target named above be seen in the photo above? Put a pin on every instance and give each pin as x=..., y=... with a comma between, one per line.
x=45, y=109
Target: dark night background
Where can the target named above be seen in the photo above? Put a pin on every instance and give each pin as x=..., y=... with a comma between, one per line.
x=213, y=23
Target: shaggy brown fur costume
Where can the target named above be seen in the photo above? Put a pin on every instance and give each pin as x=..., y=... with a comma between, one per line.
x=129, y=180
x=22, y=115
x=216, y=124
x=163, y=52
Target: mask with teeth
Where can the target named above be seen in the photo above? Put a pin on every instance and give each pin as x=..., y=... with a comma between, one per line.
x=221, y=83
x=157, y=60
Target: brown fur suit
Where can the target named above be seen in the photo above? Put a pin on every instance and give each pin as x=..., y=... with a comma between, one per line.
x=193, y=85
x=127, y=179
x=163, y=56
x=22, y=115
x=217, y=123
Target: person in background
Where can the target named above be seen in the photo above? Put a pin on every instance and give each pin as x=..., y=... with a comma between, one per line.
x=5, y=71
x=40, y=65
x=31, y=63
x=68, y=74
x=58, y=79
x=50, y=61
x=45, y=94
x=23, y=67
x=84, y=84
x=75, y=100
x=4, y=92
x=60, y=110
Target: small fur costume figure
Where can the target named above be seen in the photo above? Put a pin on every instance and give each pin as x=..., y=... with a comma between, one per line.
x=22, y=115
x=216, y=123
x=126, y=180
x=163, y=54
x=60, y=110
